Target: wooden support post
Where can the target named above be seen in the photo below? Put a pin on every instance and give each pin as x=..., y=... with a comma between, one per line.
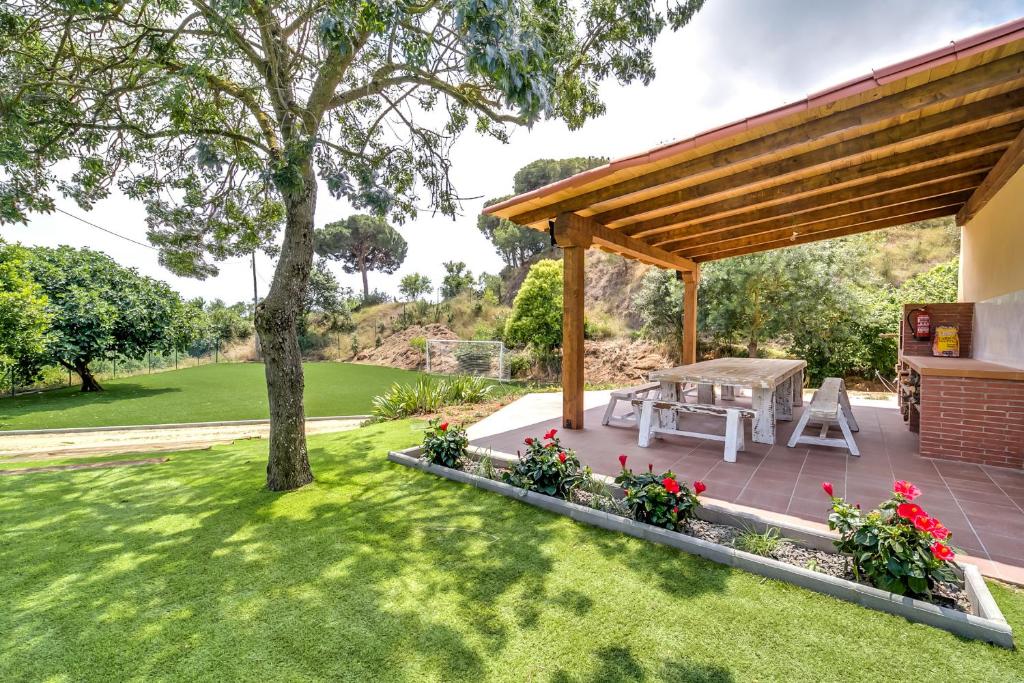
x=572, y=337
x=690, y=280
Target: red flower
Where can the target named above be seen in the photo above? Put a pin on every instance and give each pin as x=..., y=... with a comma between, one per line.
x=443, y=426
x=924, y=523
x=906, y=489
x=650, y=467
x=827, y=486
x=939, y=532
x=551, y=434
x=670, y=484
x=561, y=457
x=909, y=510
x=676, y=509
x=699, y=487
x=941, y=551
x=528, y=441
x=622, y=461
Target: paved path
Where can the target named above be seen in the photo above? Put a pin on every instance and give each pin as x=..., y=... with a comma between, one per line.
x=51, y=446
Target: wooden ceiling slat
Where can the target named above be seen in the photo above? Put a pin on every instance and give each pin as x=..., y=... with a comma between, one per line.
x=957, y=85
x=703, y=249
x=830, y=234
x=1011, y=161
x=894, y=140
x=680, y=241
x=804, y=194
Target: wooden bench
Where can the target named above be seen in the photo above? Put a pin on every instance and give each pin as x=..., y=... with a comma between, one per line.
x=630, y=394
x=829, y=406
x=650, y=424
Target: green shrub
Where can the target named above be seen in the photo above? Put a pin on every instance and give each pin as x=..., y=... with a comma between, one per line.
x=659, y=499
x=547, y=467
x=519, y=365
x=444, y=444
x=418, y=344
x=536, y=317
x=428, y=395
x=896, y=547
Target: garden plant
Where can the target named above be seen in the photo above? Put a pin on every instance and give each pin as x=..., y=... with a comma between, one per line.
x=660, y=499
x=547, y=467
x=897, y=547
x=445, y=444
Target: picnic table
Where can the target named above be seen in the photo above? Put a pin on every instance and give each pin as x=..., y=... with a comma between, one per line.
x=776, y=386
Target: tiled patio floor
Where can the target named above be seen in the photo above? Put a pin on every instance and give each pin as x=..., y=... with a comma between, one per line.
x=982, y=506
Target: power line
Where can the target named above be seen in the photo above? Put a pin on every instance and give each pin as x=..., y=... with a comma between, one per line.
x=109, y=232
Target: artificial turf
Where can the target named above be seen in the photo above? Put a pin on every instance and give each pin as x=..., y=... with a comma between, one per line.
x=207, y=393
x=190, y=570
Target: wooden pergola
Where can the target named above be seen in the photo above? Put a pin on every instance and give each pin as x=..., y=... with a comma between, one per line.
x=932, y=136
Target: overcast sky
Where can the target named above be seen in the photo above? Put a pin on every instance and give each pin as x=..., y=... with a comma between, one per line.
x=737, y=58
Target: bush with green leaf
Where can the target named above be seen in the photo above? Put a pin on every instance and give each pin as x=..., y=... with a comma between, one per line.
x=444, y=444
x=547, y=467
x=659, y=499
x=427, y=395
x=536, y=317
x=897, y=547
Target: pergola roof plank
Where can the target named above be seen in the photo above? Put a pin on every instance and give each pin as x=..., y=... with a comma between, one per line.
x=900, y=140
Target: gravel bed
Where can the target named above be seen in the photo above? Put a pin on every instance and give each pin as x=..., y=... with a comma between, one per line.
x=833, y=564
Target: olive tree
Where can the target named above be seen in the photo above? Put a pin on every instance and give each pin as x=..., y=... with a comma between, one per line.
x=224, y=118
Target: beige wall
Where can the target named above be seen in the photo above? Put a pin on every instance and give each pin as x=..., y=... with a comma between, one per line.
x=992, y=246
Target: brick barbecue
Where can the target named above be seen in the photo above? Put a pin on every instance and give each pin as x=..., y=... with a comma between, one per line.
x=964, y=409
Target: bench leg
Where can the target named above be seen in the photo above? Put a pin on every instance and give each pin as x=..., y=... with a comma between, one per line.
x=646, y=416
x=706, y=394
x=732, y=427
x=844, y=403
x=799, y=430
x=844, y=425
x=728, y=392
x=609, y=411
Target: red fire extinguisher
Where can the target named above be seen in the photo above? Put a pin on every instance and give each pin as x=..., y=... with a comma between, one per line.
x=920, y=324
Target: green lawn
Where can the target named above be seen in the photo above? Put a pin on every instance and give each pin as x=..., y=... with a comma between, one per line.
x=207, y=393
x=191, y=571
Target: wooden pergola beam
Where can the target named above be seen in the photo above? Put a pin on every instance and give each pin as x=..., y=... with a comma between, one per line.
x=683, y=239
x=691, y=280
x=829, y=234
x=859, y=152
x=806, y=194
x=990, y=75
x=777, y=242
x=951, y=201
x=572, y=229
x=1011, y=161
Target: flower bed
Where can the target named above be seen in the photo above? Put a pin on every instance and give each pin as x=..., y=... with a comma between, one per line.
x=662, y=508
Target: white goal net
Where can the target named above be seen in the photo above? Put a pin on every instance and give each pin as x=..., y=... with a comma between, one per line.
x=467, y=357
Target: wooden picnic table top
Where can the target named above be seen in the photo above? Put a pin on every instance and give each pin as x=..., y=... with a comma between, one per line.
x=765, y=373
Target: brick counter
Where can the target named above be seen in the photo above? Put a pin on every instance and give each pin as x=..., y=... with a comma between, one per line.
x=976, y=420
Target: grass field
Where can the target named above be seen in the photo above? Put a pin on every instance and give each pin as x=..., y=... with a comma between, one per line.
x=190, y=570
x=207, y=393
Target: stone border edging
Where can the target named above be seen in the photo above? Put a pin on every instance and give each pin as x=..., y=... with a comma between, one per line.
x=167, y=425
x=989, y=625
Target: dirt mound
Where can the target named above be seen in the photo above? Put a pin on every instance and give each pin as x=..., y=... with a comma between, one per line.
x=396, y=351
x=622, y=363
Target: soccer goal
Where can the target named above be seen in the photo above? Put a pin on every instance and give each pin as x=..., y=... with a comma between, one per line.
x=467, y=357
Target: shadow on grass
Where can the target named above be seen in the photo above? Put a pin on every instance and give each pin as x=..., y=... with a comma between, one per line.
x=72, y=397
x=193, y=571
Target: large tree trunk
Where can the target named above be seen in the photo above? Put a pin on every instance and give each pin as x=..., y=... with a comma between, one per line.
x=276, y=323
x=81, y=368
x=366, y=282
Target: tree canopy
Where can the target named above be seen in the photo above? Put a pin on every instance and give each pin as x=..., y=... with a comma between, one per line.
x=221, y=118
x=515, y=244
x=24, y=317
x=362, y=243
x=414, y=285
x=99, y=309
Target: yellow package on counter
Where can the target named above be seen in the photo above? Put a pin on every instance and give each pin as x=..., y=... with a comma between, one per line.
x=946, y=341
